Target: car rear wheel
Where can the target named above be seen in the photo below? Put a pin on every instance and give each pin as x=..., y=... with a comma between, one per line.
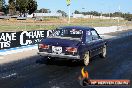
x=86, y=58
x=103, y=54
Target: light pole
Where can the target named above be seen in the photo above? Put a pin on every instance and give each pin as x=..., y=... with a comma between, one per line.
x=119, y=15
x=83, y=14
x=69, y=12
x=69, y=17
x=118, y=18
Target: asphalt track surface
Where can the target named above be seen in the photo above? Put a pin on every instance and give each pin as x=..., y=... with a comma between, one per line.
x=36, y=72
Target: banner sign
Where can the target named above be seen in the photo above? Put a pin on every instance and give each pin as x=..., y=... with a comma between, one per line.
x=22, y=38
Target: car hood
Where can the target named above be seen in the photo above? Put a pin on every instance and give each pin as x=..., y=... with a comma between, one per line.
x=60, y=42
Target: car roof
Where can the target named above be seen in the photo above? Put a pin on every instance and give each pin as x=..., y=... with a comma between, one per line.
x=76, y=27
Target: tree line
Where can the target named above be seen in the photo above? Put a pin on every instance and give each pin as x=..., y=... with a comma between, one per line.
x=126, y=16
x=21, y=6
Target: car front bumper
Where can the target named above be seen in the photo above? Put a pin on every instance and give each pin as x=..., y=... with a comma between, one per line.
x=58, y=55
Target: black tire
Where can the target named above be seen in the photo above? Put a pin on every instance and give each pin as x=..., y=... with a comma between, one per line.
x=103, y=54
x=86, y=58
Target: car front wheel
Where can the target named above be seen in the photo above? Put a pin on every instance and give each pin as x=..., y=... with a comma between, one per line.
x=86, y=58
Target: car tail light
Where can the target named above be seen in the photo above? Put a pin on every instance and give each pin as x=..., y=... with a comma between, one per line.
x=43, y=46
x=71, y=49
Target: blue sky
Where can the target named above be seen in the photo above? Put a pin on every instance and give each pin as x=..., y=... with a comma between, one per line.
x=89, y=5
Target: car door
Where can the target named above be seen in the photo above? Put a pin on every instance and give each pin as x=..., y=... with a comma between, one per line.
x=97, y=42
x=90, y=45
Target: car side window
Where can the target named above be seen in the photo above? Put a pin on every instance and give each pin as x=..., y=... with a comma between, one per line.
x=88, y=37
x=94, y=35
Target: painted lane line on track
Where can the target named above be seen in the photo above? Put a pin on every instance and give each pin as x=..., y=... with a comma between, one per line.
x=10, y=75
x=55, y=87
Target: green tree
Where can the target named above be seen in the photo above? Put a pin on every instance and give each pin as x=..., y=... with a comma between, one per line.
x=62, y=12
x=12, y=7
x=32, y=6
x=2, y=5
x=21, y=6
x=5, y=9
x=76, y=12
x=128, y=16
x=26, y=6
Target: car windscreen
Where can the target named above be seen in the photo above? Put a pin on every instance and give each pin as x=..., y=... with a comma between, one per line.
x=67, y=34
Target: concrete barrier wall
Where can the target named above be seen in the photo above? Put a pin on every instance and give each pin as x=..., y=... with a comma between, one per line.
x=103, y=30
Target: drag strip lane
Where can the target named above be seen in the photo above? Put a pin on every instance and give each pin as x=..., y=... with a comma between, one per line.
x=64, y=74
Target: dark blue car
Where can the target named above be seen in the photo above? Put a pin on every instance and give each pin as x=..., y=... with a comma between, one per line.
x=73, y=42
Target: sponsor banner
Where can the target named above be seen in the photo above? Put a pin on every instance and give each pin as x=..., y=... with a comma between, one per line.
x=22, y=38
x=117, y=82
